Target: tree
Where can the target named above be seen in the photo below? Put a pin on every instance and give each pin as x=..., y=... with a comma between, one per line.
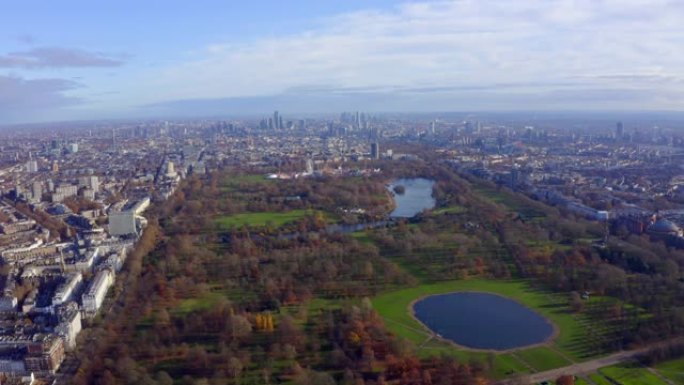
x=269, y=323
x=238, y=326
x=163, y=378
x=234, y=367
x=576, y=303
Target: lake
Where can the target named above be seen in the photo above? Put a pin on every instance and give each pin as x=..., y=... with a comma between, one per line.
x=416, y=197
x=482, y=320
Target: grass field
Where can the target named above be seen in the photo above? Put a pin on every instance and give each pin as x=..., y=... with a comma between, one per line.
x=543, y=358
x=509, y=200
x=262, y=219
x=449, y=210
x=673, y=369
x=394, y=308
x=631, y=375
x=201, y=303
x=233, y=182
x=599, y=379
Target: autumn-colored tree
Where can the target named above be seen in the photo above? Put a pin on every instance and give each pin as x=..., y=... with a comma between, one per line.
x=269, y=327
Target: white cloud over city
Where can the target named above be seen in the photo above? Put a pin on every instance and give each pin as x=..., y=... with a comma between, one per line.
x=493, y=53
x=420, y=56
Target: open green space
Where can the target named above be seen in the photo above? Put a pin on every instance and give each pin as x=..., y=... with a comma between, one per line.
x=507, y=365
x=449, y=210
x=673, y=370
x=203, y=302
x=233, y=182
x=543, y=358
x=626, y=374
x=275, y=219
x=361, y=236
x=509, y=200
x=394, y=308
x=598, y=379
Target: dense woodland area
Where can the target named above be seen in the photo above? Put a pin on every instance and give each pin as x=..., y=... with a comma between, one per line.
x=202, y=304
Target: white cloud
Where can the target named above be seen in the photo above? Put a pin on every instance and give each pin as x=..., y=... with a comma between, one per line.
x=559, y=48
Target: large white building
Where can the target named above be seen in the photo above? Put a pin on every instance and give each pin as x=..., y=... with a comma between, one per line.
x=92, y=182
x=64, y=191
x=37, y=191
x=93, y=297
x=31, y=166
x=129, y=221
x=69, y=325
x=122, y=223
x=65, y=290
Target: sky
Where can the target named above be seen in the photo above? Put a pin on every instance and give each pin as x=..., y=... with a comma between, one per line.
x=84, y=60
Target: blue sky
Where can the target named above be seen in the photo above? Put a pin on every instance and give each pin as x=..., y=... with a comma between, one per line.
x=63, y=60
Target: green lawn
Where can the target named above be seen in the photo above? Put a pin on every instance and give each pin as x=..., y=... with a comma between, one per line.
x=202, y=303
x=506, y=365
x=361, y=236
x=599, y=379
x=631, y=375
x=394, y=308
x=543, y=358
x=510, y=200
x=262, y=219
x=233, y=182
x=449, y=210
x=673, y=369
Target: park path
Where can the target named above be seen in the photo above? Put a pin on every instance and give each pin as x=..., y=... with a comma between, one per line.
x=587, y=380
x=660, y=375
x=587, y=367
x=523, y=362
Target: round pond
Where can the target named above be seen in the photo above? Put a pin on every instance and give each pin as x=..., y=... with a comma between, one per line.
x=482, y=320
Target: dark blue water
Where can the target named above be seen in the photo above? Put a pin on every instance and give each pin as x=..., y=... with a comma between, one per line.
x=482, y=321
x=416, y=198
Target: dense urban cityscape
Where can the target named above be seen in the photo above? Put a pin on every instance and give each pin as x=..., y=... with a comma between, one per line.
x=74, y=199
x=342, y=192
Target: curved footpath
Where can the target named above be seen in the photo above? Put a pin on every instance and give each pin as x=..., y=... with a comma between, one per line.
x=586, y=367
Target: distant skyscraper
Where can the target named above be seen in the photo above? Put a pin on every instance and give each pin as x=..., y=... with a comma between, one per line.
x=92, y=182
x=31, y=166
x=374, y=133
x=619, y=130
x=469, y=128
x=280, y=123
x=276, y=120
x=37, y=191
x=375, y=150
x=170, y=169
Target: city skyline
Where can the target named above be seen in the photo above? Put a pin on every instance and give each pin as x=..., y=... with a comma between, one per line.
x=81, y=61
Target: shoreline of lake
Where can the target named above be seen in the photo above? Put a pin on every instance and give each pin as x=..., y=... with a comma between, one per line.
x=546, y=342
